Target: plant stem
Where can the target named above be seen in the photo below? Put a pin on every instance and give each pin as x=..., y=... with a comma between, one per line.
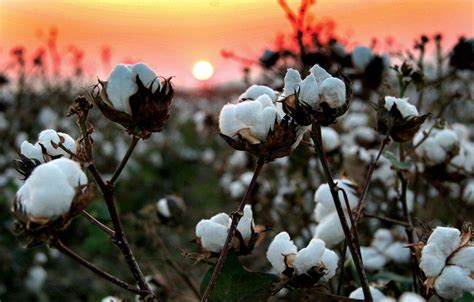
x=125, y=158
x=233, y=226
x=350, y=237
x=386, y=219
x=57, y=243
x=99, y=224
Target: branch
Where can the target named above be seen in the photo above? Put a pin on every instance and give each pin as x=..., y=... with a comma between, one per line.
x=233, y=226
x=99, y=224
x=125, y=158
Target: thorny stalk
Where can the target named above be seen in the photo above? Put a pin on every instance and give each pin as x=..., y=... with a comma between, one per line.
x=350, y=237
x=233, y=226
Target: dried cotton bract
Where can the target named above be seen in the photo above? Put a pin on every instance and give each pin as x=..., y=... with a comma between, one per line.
x=304, y=267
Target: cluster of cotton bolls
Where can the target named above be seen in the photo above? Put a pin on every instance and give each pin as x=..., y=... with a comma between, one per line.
x=287, y=261
x=212, y=232
x=50, y=189
x=438, y=147
x=48, y=145
x=383, y=249
x=378, y=296
x=447, y=260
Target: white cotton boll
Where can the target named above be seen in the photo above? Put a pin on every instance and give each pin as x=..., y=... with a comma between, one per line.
x=222, y=219
x=432, y=260
x=461, y=130
x=382, y=239
x=361, y=57
x=331, y=140
x=330, y=261
x=323, y=195
x=69, y=143
x=245, y=225
x=47, y=136
x=238, y=159
x=247, y=112
x=236, y=189
x=330, y=230
x=321, y=211
x=146, y=75
x=365, y=134
x=254, y=91
x=359, y=294
x=447, y=139
x=411, y=297
x=453, y=282
x=319, y=73
x=32, y=151
x=163, y=209
x=35, y=278
x=280, y=247
x=333, y=92
x=464, y=258
x=468, y=193
x=432, y=151
x=373, y=259
x=354, y=119
x=72, y=170
x=267, y=119
x=398, y=253
x=446, y=238
x=110, y=299
x=406, y=109
x=121, y=85
x=212, y=235
x=228, y=122
x=309, y=256
x=265, y=100
x=292, y=81
x=309, y=91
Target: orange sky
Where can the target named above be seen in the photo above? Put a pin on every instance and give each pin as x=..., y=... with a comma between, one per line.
x=171, y=35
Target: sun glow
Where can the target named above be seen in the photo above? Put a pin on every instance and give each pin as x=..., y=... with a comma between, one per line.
x=203, y=70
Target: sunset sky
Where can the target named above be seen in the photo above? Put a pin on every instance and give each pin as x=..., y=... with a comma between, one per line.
x=172, y=35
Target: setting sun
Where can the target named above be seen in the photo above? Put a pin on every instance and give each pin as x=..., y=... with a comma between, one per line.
x=203, y=70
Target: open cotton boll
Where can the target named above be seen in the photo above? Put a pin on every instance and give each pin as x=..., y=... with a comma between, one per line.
x=432, y=151
x=330, y=230
x=279, y=248
x=361, y=57
x=453, y=282
x=32, y=151
x=319, y=73
x=111, y=299
x=432, y=260
x=309, y=91
x=464, y=258
x=359, y=294
x=447, y=139
x=35, y=278
x=247, y=112
x=309, y=256
x=382, y=239
x=447, y=239
x=330, y=261
x=228, y=122
x=321, y=211
x=163, y=209
x=72, y=170
x=292, y=81
x=254, y=91
x=333, y=92
x=406, y=109
x=212, y=234
x=323, y=195
x=121, y=85
x=146, y=75
x=331, y=140
x=411, y=297
x=47, y=136
x=222, y=219
x=246, y=223
x=267, y=119
x=468, y=193
x=373, y=259
x=398, y=253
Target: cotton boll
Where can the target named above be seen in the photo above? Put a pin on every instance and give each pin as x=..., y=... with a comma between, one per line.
x=359, y=294
x=35, y=278
x=398, y=253
x=447, y=139
x=245, y=225
x=110, y=299
x=468, y=193
x=382, y=239
x=330, y=230
x=309, y=256
x=321, y=211
x=265, y=100
x=373, y=259
x=361, y=57
x=69, y=143
x=406, y=109
x=446, y=238
x=236, y=189
x=464, y=258
x=333, y=92
x=254, y=91
x=331, y=140
x=163, y=209
x=319, y=73
x=72, y=170
x=353, y=120
x=330, y=261
x=432, y=260
x=228, y=122
x=32, y=151
x=222, y=219
x=453, y=282
x=323, y=195
x=309, y=91
x=292, y=80
x=146, y=75
x=49, y=136
x=432, y=151
x=120, y=86
x=280, y=247
x=247, y=112
x=212, y=235
x=411, y=297
x=267, y=119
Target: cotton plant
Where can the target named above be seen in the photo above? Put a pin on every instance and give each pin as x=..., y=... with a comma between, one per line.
x=447, y=261
x=306, y=267
x=329, y=227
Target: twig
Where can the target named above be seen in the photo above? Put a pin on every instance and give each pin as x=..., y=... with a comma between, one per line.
x=233, y=226
x=386, y=219
x=57, y=243
x=125, y=158
x=425, y=136
x=99, y=224
x=355, y=251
